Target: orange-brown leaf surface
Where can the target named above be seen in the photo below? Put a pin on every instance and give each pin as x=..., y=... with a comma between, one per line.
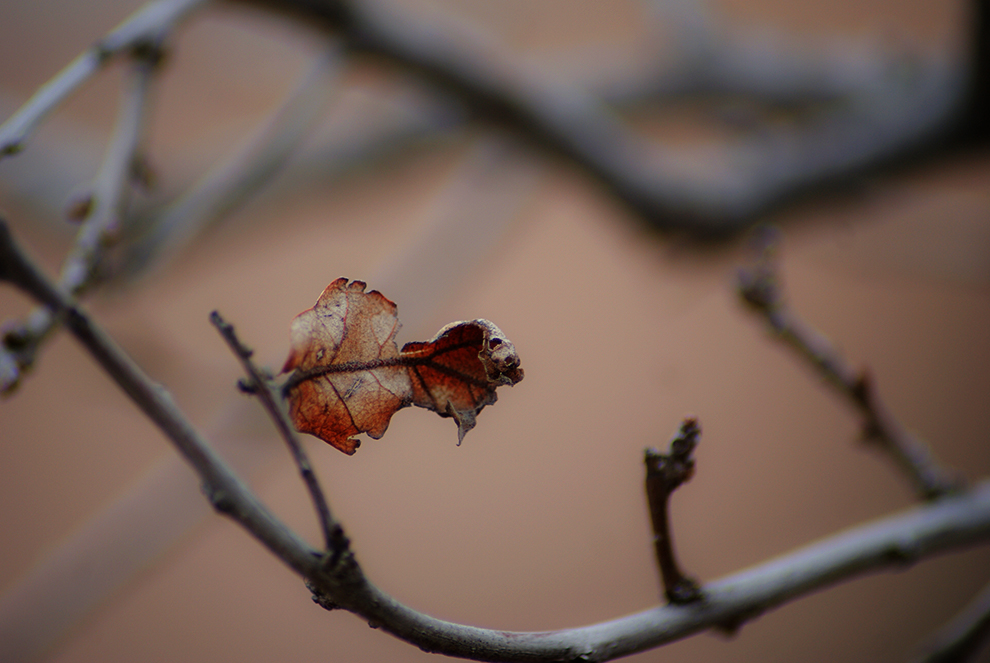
x=455, y=374
x=349, y=376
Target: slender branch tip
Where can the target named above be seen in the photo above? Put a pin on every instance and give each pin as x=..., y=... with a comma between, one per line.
x=259, y=384
x=759, y=287
x=664, y=474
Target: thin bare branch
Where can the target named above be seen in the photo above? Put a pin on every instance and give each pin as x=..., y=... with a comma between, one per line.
x=103, y=209
x=147, y=26
x=886, y=544
x=664, y=474
x=710, y=56
x=260, y=385
x=882, y=105
x=244, y=173
x=760, y=287
x=223, y=488
x=962, y=638
x=104, y=206
x=709, y=59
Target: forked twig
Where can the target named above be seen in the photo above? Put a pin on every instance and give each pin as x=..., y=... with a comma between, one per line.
x=143, y=27
x=260, y=385
x=102, y=210
x=760, y=287
x=664, y=474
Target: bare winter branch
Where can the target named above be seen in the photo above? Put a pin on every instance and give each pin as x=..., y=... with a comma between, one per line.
x=758, y=171
x=760, y=287
x=147, y=26
x=242, y=174
x=103, y=210
x=880, y=106
x=962, y=638
x=712, y=57
x=260, y=385
x=664, y=474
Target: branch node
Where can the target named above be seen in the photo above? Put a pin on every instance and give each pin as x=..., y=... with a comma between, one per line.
x=102, y=52
x=15, y=336
x=664, y=473
x=80, y=207
x=759, y=285
x=247, y=386
x=340, y=559
x=905, y=552
x=219, y=498
x=320, y=598
x=150, y=51
x=730, y=627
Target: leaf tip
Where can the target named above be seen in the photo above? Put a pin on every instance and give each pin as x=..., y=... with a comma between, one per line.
x=347, y=445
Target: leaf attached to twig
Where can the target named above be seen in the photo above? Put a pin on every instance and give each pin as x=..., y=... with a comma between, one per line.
x=349, y=376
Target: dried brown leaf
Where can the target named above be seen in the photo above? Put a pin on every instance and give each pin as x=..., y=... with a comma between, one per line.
x=456, y=372
x=349, y=377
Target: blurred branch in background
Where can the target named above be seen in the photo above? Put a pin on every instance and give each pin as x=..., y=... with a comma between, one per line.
x=963, y=637
x=145, y=28
x=908, y=107
x=163, y=233
x=103, y=213
x=828, y=112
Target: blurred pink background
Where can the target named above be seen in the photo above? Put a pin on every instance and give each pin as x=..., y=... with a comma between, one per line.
x=538, y=520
